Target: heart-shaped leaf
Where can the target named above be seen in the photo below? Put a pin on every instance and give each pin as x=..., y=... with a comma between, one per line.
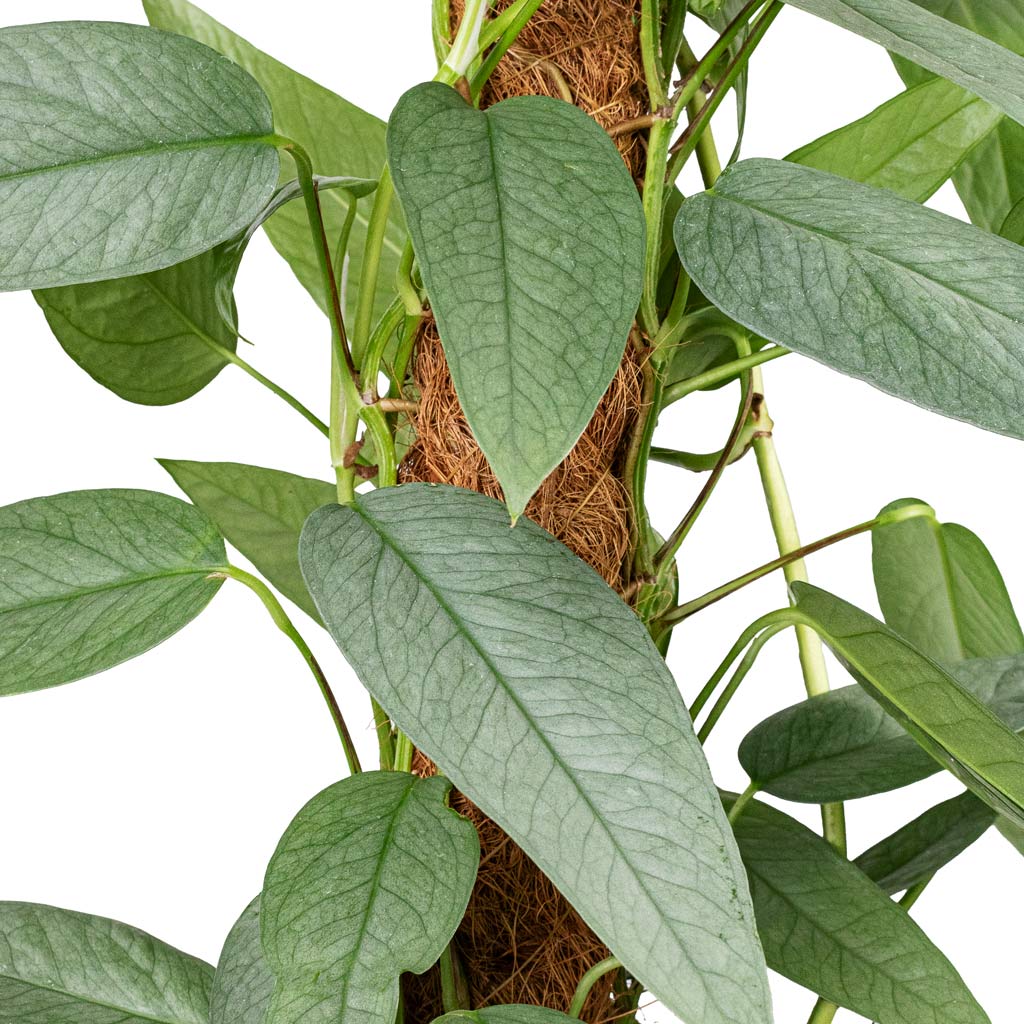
x=945, y=718
x=259, y=511
x=89, y=579
x=243, y=984
x=909, y=145
x=842, y=745
x=929, y=842
x=906, y=27
x=126, y=150
x=354, y=145
x=161, y=337
x=914, y=302
x=827, y=927
x=59, y=967
x=991, y=179
x=504, y=657
x=940, y=589
x=370, y=880
x=530, y=237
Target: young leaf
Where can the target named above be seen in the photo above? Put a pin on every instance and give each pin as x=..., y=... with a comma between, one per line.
x=939, y=588
x=828, y=928
x=945, y=718
x=512, y=1014
x=530, y=237
x=914, y=302
x=161, y=337
x=906, y=27
x=243, y=984
x=89, y=579
x=370, y=880
x=991, y=180
x=909, y=145
x=927, y=843
x=353, y=145
x=259, y=511
x=513, y=665
x=842, y=745
x=59, y=966
x=159, y=152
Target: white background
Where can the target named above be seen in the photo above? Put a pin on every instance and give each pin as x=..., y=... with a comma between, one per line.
x=155, y=793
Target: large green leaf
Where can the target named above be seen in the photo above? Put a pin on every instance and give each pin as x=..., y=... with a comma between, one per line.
x=340, y=138
x=125, y=150
x=259, y=511
x=159, y=338
x=991, y=180
x=940, y=589
x=842, y=745
x=514, y=666
x=914, y=302
x=946, y=719
x=89, y=579
x=516, y=1013
x=927, y=843
x=370, y=880
x=827, y=927
x=906, y=27
x=909, y=145
x=530, y=236
x=243, y=984
x=61, y=967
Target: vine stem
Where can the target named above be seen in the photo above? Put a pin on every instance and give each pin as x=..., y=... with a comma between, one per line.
x=589, y=980
x=742, y=802
x=824, y=1012
x=283, y=623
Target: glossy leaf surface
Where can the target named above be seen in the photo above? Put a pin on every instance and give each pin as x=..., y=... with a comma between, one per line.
x=550, y=707
x=126, y=150
x=89, y=579
x=530, y=235
x=354, y=145
x=916, y=303
x=62, y=967
x=243, y=984
x=939, y=587
x=828, y=928
x=909, y=145
x=370, y=880
x=259, y=511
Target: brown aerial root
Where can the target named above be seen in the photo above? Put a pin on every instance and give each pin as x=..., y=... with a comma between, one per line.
x=520, y=941
x=583, y=502
x=586, y=51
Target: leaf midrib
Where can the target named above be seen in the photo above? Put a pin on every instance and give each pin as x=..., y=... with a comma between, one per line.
x=207, y=142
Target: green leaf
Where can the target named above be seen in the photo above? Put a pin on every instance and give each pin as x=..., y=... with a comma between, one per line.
x=927, y=843
x=259, y=511
x=536, y=671
x=159, y=152
x=991, y=180
x=243, y=984
x=939, y=588
x=159, y=338
x=1013, y=227
x=61, y=967
x=516, y=1013
x=89, y=579
x=842, y=745
x=914, y=302
x=530, y=237
x=1011, y=833
x=909, y=145
x=828, y=928
x=907, y=28
x=353, y=145
x=945, y=718
x=370, y=880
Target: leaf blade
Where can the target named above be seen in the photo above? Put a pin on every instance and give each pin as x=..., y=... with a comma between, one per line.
x=486, y=603
x=242, y=983
x=529, y=234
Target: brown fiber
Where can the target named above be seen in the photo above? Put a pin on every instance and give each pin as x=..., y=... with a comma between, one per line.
x=521, y=941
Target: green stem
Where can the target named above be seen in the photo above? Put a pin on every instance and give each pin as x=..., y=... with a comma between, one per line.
x=589, y=980
x=913, y=894
x=695, y=462
x=742, y=802
x=403, y=753
x=440, y=21
x=824, y=1012
x=650, y=50
x=466, y=46
x=283, y=623
x=454, y=991
x=503, y=31
x=725, y=372
x=376, y=230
